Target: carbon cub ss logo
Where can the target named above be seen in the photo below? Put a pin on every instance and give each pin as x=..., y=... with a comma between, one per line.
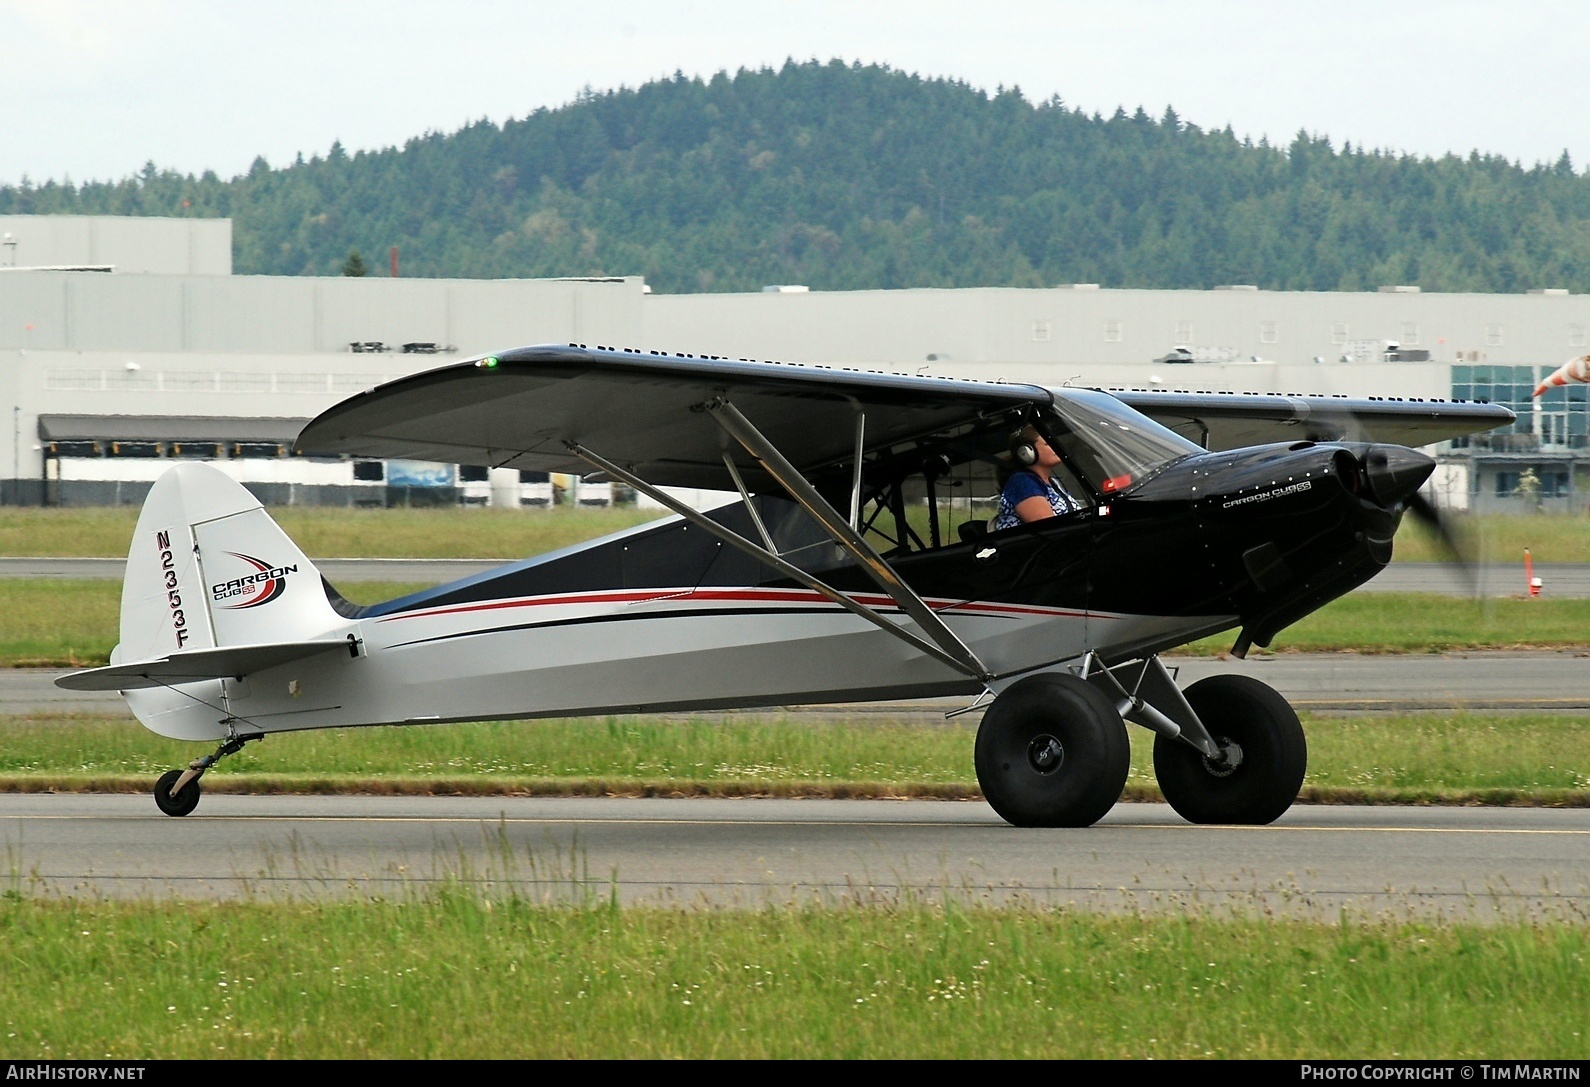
x=168, y=576
x=1265, y=496
x=251, y=590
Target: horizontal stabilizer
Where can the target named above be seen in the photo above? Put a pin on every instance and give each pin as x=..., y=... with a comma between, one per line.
x=192, y=665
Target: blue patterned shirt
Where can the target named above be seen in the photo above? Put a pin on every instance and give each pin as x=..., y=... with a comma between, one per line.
x=1026, y=484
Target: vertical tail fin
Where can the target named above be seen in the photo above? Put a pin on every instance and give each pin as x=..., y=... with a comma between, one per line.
x=208, y=567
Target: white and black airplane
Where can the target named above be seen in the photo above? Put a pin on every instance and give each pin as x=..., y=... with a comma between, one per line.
x=857, y=566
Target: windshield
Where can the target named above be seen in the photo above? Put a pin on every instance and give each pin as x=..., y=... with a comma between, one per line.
x=1110, y=443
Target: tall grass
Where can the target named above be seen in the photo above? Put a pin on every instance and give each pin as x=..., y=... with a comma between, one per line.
x=462, y=974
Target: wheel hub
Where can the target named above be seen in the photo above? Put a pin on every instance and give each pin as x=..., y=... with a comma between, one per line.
x=1045, y=754
x=1230, y=758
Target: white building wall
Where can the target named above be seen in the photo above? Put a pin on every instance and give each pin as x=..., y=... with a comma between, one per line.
x=131, y=243
x=261, y=346
x=291, y=315
x=957, y=331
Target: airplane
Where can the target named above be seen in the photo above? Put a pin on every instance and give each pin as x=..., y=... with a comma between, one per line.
x=857, y=564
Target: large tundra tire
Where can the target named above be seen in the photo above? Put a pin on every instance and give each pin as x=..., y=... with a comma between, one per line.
x=1267, y=751
x=1052, y=752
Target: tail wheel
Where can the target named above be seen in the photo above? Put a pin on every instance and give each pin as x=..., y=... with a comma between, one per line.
x=1265, y=752
x=186, y=799
x=1052, y=752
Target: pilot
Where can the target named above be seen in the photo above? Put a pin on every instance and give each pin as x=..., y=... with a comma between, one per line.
x=1032, y=492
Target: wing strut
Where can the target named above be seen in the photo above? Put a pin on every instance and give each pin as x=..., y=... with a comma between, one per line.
x=779, y=563
x=877, y=567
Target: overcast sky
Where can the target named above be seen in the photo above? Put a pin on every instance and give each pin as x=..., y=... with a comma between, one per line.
x=92, y=89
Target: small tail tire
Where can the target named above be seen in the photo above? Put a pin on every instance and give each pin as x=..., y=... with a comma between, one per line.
x=1270, y=754
x=1052, y=752
x=185, y=800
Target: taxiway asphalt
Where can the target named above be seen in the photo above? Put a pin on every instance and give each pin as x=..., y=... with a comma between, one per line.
x=1478, y=863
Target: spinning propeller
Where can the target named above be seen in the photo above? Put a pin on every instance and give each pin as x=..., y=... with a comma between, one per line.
x=1394, y=475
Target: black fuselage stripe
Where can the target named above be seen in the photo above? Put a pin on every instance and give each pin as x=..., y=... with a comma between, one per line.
x=690, y=613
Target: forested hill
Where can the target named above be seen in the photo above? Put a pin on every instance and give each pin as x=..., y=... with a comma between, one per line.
x=847, y=176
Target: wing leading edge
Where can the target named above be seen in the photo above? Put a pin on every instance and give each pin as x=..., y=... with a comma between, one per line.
x=1232, y=420
x=642, y=410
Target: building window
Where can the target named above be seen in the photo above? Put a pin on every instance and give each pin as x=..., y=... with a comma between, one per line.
x=1040, y=332
x=1410, y=334
x=1184, y=334
x=1269, y=331
x=1576, y=336
x=473, y=473
x=1493, y=335
x=188, y=381
x=245, y=383
x=1339, y=332
x=368, y=471
x=73, y=380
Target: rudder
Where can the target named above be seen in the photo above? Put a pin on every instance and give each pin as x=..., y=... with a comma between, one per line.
x=208, y=567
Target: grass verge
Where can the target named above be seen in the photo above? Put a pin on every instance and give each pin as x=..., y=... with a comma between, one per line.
x=459, y=973
x=1432, y=758
x=73, y=624
x=1426, y=623
x=67, y=623
x=457, y=532
x=472, y=533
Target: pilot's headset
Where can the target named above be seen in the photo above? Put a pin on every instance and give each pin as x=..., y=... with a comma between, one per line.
x=1022, y=448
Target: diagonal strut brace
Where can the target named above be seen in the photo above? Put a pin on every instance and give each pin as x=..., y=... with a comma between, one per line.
x=778, y=562
x=877, y=567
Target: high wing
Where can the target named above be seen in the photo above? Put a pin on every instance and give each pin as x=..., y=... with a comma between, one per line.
x=643, y=410
x=1232, y=420
x=523, y=409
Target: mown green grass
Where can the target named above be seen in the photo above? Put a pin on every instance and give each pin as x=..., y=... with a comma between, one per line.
x=1537, y=758
x=513, y=534
x=459, y=532
x=71, y=623
x=461, y=974
x=1426, y=622
x=1501, y=538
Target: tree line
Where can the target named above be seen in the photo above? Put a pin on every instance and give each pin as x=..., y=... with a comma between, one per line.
x=849, y=176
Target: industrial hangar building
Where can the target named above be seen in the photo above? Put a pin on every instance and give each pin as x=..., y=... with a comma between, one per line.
x=127, y=343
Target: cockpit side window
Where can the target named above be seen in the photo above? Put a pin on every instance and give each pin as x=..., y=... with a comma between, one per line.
x=1112, y=445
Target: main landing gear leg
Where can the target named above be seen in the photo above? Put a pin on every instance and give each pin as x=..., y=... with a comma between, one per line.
x=177, y=791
